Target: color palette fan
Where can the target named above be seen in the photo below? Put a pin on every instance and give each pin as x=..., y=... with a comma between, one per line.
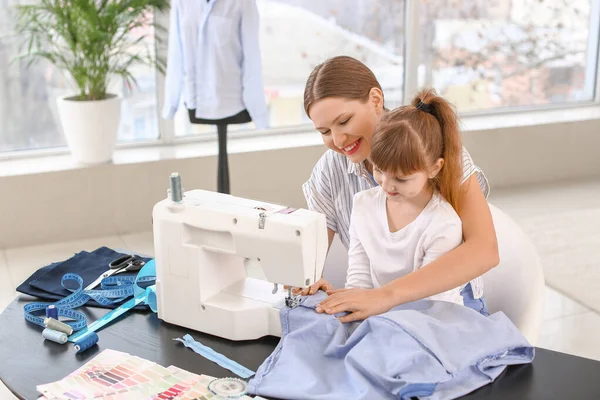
x=113, y=375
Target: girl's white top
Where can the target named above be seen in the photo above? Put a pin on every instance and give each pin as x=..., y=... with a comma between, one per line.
x=378, y=256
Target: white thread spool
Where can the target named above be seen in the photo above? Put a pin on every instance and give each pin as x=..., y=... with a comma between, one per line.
x=54, y=336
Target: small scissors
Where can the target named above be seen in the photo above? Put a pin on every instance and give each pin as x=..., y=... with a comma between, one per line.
x=121, y=264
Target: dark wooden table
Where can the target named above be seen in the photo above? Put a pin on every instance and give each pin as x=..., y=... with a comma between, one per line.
x=27, y=360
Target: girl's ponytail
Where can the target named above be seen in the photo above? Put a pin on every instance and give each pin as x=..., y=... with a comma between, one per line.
x=449, y=178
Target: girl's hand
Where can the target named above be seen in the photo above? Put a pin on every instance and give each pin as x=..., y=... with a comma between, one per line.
x=360, y=303
x=314, y=288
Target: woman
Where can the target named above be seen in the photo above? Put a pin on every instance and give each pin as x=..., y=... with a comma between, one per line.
x=345, y=101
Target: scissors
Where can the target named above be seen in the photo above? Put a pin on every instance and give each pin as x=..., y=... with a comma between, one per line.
x=126, y=263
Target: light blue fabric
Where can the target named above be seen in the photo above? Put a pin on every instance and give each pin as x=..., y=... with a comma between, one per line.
x=214, y=60
x=426, y=349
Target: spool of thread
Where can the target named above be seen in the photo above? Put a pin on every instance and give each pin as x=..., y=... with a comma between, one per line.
x=52, y=312
x=58, y=326
x=175, y=189
x=55, y=336
x=85, y=342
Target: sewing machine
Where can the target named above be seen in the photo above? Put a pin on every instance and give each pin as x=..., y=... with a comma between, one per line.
x=205, y=243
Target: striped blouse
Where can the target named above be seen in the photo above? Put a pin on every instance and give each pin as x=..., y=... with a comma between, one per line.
x=335, y=180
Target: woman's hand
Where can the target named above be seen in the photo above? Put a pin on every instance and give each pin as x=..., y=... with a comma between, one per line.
x=360, y=303
x=314, y=288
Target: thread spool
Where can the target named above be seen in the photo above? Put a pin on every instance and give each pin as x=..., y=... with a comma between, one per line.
x=85, y=342
x=52, y=312
x=58, y=326
x=175, y=190
x=54, y=336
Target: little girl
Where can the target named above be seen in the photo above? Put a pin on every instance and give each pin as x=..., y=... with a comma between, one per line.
x=410, y=218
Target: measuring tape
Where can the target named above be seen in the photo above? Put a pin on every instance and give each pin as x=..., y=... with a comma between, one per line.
x=140, y=295
x=115, y=289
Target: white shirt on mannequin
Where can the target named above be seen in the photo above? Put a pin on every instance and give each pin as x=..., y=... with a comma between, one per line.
x=214, y=60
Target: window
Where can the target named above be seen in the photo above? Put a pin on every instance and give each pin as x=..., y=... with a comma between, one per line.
x=487, y=54
x=482, y=55
x=28, y=112
x=296, y=35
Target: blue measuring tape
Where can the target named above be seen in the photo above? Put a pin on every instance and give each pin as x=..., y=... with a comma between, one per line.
x=115, y=289
x=215, y=357
x=140, y=295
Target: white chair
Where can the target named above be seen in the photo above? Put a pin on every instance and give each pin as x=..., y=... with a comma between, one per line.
x=515, y=286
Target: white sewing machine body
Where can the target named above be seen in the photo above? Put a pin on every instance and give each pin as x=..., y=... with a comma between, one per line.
x=203, y=248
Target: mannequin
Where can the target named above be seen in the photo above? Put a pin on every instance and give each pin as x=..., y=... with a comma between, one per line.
x=214, y=64
x=223, y=166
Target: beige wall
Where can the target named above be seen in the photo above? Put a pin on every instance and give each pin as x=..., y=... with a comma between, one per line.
x=538, y=153
x=111, y=199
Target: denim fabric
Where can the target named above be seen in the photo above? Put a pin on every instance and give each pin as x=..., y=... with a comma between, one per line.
x=45, y=283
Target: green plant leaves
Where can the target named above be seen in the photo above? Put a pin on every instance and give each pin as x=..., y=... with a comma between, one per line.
x=92, y=40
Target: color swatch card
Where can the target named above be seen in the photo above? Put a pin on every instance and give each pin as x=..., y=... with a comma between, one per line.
x=167, y=387
x=105, y=374
x=113, y=375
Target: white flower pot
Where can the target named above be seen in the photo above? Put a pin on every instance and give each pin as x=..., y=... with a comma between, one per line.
x=90, y=127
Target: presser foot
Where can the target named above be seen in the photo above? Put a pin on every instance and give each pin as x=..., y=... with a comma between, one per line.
x=291, y=301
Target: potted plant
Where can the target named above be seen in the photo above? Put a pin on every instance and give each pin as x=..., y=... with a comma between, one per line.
x=92, y=42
